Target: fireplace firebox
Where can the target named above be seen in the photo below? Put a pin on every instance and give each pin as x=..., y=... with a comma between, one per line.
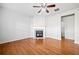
x=39, y=33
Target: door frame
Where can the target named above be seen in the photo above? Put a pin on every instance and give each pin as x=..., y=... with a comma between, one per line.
x=73, y=26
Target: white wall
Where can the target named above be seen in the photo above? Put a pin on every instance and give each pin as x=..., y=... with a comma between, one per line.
x=53, y=29
x=38, y=21
x=13, y=25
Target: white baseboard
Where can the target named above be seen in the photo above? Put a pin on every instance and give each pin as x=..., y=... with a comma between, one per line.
x=11, y=40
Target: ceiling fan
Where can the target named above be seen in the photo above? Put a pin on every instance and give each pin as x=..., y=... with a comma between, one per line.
x=45, y=6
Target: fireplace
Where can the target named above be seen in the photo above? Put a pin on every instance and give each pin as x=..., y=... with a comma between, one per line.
x=39, y=33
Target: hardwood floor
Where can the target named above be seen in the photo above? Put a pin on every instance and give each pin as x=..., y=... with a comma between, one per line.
x=46, y=46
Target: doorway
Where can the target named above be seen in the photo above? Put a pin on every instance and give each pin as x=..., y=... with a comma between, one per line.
x=67, y=27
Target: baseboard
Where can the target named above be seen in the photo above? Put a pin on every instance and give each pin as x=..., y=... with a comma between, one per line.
x=54, y=38
x=14, y=40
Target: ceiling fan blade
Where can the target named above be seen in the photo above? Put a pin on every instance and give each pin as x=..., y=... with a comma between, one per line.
x=51, y=5
x=37, y=6
x=47, y=11
x=39, y=11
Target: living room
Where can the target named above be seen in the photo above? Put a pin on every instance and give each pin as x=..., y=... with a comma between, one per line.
x=38, y=26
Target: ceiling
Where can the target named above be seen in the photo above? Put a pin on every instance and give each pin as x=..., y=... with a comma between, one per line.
x=27, y=9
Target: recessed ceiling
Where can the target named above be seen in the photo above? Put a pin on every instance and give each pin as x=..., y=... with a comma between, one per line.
x=27, y=9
